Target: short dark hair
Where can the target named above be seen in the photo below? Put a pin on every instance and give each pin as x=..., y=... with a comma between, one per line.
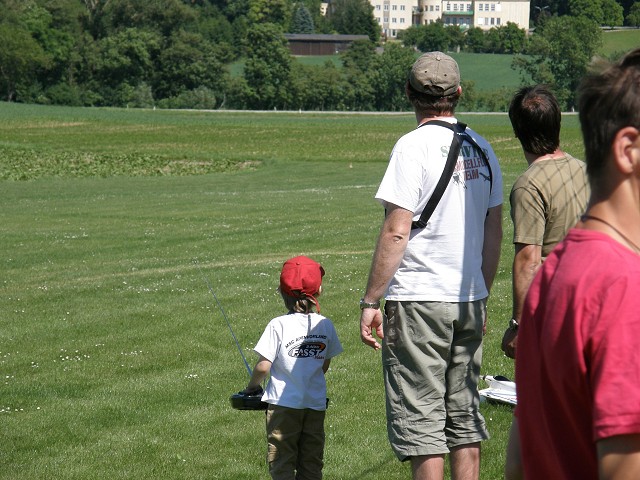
x=430, y=104
x=608, y=101
x=535, y=117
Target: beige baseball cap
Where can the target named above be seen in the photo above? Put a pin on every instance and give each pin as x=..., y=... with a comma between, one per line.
x=435, y=73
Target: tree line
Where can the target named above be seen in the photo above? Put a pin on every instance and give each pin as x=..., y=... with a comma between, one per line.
x=177, y=53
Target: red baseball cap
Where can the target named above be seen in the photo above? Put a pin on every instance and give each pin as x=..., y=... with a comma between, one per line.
x=301, y=275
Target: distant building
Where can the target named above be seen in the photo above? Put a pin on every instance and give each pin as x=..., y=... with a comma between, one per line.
x=320, y=44
x=396, y=15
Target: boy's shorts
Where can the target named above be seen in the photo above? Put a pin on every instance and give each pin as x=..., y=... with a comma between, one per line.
x=431, y=355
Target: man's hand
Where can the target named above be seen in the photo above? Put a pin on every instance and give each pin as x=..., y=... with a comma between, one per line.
x=370, y=321
x=509, y=340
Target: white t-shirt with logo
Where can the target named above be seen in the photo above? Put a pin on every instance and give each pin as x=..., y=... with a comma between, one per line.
x=443, y=261
x=297, y=344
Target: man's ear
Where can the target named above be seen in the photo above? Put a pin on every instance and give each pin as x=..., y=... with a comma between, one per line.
x=626, y=150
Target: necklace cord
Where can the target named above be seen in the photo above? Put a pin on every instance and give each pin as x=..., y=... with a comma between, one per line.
x=622, y=235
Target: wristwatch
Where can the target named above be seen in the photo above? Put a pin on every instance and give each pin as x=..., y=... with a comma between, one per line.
x=364, y=304
x=513, y=325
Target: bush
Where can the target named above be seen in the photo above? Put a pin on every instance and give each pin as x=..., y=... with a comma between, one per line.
x=201, y=98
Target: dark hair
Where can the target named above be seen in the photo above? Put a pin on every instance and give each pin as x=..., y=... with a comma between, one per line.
x=301, y=304
x=535, y=117
x=429, y=104
x=608, y=100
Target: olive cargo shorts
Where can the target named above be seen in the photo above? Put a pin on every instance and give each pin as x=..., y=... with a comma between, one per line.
x=431, y=355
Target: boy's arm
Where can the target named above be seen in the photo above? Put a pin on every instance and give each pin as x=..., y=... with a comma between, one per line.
x=260, y=371
x=325, y=365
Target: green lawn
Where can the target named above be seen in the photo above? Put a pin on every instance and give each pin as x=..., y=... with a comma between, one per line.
x=617, y=41
x=116, y=361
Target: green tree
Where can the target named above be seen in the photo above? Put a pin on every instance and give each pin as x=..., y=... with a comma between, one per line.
x=20, y=58
x=319, y=87
x=507, y=38
x=358, y=60
x=410, y=37
x=388, y=74
x=267, y=71
x=359, y=56
x=612, y=13
x=127, y=57
x=603, y=12
x=475, y=40
x=633, y=19
x=434, y=37
x=188, y=62
x=559, y=54
x=456, y=37
x=163, y=16
x=277, y=12
x=354, y=17
x=591, y=9
x=302, y=21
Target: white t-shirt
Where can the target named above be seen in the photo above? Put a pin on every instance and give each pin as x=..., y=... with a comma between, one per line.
x=443, y=261
x=297, y=344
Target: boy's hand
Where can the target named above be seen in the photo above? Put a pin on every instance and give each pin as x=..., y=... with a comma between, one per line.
x=251, y=391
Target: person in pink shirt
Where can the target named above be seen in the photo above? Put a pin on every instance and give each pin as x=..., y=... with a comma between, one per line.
x=578, y=361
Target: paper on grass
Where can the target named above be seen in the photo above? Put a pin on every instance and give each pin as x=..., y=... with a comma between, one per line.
x=500, y=390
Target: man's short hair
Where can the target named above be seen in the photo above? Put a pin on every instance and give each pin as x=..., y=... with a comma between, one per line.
x=430, y=104
x=535, y=117
x=608, y=100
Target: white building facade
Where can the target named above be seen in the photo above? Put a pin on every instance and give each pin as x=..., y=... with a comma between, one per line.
x=396, y=15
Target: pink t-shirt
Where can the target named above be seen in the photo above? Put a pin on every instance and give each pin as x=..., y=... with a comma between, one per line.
x=578, y=360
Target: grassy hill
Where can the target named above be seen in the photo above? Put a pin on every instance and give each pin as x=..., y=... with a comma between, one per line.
x=491, y=72
x=616, y=41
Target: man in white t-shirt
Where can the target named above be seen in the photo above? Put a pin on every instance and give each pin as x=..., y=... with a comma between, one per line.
x=435, y=280
x=295, y=350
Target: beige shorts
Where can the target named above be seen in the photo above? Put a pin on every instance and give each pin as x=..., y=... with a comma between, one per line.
x=431, y=355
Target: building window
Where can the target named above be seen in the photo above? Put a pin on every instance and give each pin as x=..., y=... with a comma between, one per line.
x=378, y=7
x=402, y=20
x=402, y=8
x=493, y=7
x=469, y=7
x=437, y=8
x=486, y=7
x=498, y=21
x=479, y=7
x=394, y=7
x=386, y=8
x=455, y=7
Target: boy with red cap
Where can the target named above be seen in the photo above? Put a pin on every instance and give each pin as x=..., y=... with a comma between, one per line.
x=296, y=349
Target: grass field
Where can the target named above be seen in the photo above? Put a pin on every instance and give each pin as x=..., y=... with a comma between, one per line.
x=116, y=362
x=617, y=41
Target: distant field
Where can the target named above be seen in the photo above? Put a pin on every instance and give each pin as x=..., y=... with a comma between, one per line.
x=615, y=41
x=488, y=71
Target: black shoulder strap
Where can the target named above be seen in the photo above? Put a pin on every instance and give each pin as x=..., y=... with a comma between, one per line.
x=459, y=135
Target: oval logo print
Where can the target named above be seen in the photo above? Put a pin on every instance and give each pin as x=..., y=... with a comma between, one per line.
x=307, y=349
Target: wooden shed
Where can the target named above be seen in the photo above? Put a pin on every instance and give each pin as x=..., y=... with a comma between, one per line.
x=320, y=44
